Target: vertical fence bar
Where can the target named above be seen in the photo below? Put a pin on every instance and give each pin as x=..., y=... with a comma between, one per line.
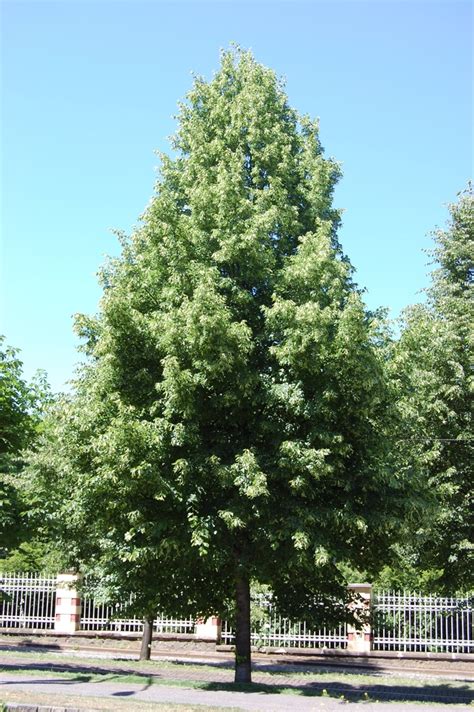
x=454, y=627
x=401, y=612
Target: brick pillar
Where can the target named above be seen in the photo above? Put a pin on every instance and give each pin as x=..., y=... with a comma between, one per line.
x=68, y=604
x=360, y=639
x=209, y=629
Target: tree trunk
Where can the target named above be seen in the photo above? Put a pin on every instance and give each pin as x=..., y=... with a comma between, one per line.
x=145, y=650
x=243, y=670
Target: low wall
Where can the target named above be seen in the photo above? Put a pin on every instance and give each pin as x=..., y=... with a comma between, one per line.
x=103, y=641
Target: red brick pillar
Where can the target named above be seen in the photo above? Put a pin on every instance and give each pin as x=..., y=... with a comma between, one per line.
x=359, y=639
x=68, y=604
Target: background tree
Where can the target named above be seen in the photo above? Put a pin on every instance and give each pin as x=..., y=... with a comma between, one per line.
x=230, y=425
x=433, y=369
x=20, y=408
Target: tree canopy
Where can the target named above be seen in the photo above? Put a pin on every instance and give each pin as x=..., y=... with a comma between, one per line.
x=433, y=369
x=232, y=421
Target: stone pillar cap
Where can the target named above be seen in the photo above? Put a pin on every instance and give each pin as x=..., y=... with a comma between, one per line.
x=68, y=578
x=360, y=586
x=351, y=585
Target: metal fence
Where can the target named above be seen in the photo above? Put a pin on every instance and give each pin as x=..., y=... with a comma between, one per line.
x=27, y=600
x=30, y=603
x=414, y=622
x=269, y=629
x=401, y=621
x=103, y=616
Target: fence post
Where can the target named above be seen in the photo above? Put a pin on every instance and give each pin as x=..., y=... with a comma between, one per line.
x=67, y=618
x=209, y=628
x=360, y=639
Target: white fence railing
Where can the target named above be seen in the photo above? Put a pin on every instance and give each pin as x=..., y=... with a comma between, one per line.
x=29, y=602
x=413, y=622
x=269, y=629
x=101, y=616
x=401, y=621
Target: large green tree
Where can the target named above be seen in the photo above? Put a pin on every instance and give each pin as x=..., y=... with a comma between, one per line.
x=231, y=422
x=433, y=368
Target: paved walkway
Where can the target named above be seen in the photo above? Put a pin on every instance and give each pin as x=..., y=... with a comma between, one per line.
x=251, y=701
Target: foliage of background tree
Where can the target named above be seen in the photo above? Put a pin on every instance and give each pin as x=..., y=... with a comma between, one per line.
x=231, y=423
x=20, y=408
x=433, y=367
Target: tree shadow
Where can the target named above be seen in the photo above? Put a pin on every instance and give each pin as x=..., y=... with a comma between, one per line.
x=82, y=673
x=87, y=670
x=49, y=681
x=30, y=643
x=184, y=662
x=129, y=693
x=440, y=693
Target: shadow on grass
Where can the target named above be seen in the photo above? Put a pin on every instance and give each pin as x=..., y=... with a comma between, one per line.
x=275, y=666
x=30, y=644
x=74, y=668
x=52, y=681
x=146, y=681
x=443, y=693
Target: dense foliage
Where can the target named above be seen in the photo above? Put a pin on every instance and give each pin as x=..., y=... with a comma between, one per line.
x=433, y=366
x=20, y=408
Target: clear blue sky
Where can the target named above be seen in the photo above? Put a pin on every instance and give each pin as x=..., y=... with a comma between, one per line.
x=89, y=90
